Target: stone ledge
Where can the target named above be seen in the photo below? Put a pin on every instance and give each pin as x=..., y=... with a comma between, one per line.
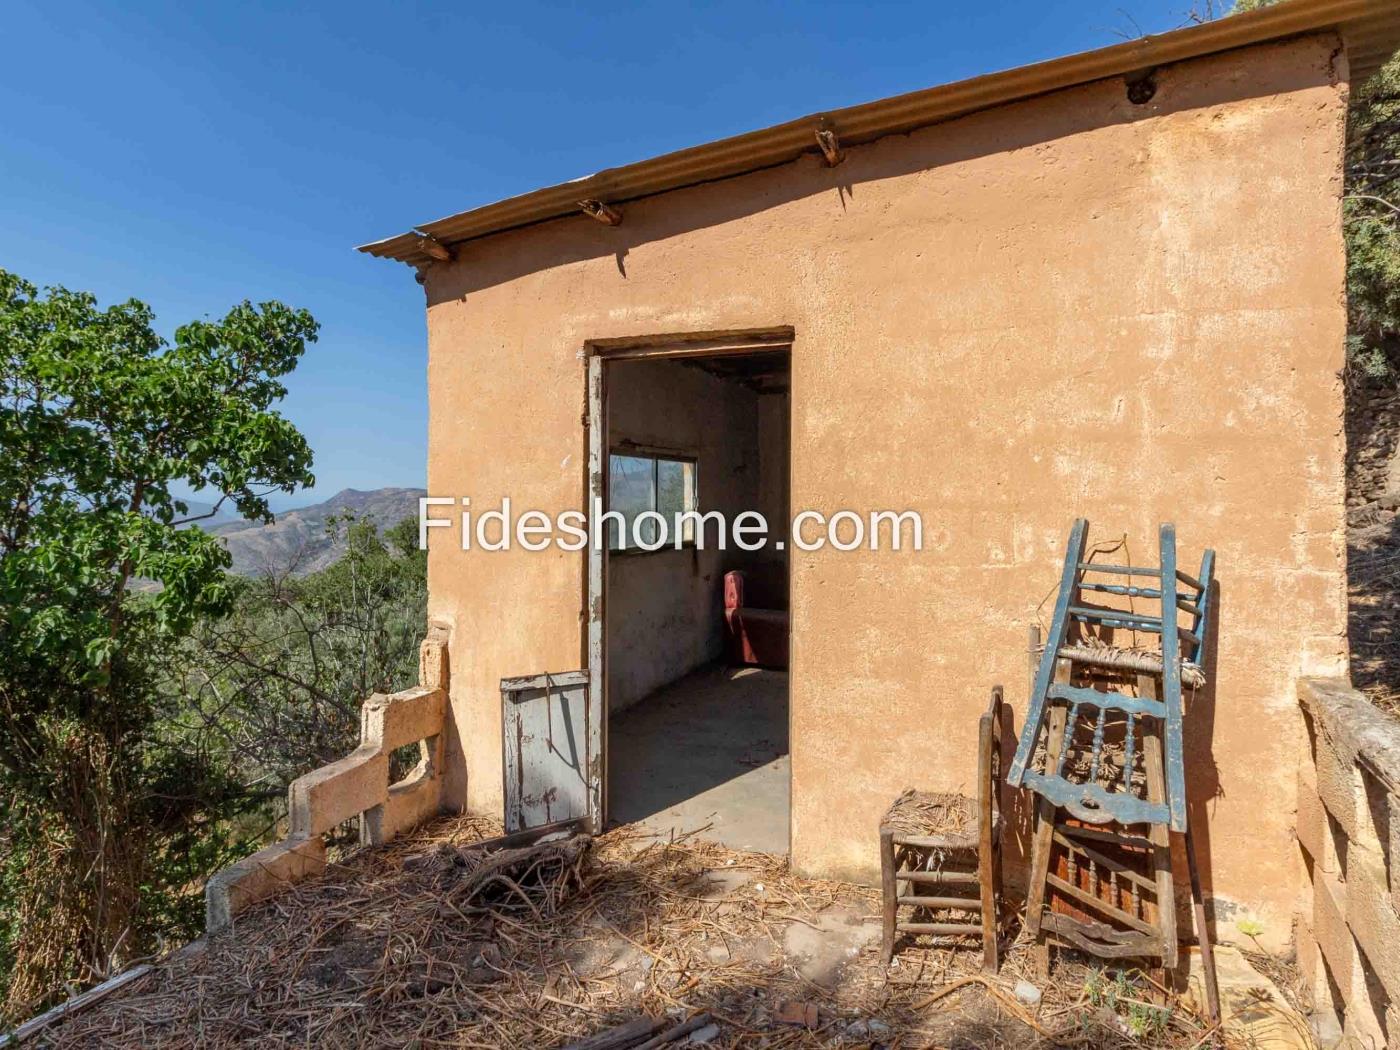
x=354, y=786
x=1355, y=725
x=1352, y=922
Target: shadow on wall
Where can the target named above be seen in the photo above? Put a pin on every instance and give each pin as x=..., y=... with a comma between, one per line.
x=1202, y=779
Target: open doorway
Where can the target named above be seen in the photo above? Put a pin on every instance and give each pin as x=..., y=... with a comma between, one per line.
x=696, y=639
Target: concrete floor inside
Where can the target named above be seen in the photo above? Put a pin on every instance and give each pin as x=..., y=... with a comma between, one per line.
x=709, y=755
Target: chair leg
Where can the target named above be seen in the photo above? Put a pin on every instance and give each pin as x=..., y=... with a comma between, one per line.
x=1202, y=932
x=1158, y=833
x=889, y=886
x=989, y=877
x=1043, y=836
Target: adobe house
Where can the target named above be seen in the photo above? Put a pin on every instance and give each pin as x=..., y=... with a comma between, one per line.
x=1109, y=285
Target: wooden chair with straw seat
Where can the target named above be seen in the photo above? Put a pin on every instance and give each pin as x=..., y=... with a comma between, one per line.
x=940, y=855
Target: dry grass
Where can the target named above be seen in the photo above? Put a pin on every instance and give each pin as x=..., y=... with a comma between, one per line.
x=932, y=813
x=412, y=946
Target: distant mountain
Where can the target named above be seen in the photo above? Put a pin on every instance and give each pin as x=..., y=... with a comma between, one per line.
x=298, y=540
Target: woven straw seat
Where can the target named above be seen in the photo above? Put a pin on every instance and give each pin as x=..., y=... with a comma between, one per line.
x=1136, y=661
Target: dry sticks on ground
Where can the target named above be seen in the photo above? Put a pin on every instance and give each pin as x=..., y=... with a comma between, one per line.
x=430, y=942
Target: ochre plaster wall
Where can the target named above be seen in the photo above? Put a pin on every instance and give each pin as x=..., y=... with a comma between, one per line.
x=1068, y=306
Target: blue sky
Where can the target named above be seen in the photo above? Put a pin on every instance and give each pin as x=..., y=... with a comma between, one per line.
x=193, y=154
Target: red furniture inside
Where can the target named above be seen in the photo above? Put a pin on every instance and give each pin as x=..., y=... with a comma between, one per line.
x=756, y=616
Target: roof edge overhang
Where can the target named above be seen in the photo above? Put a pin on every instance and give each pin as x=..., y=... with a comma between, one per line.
x=1369, y=28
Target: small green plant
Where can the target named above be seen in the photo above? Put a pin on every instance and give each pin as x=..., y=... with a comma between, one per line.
x=1119, y=993
x=1251, y=928
x=1144, y=1020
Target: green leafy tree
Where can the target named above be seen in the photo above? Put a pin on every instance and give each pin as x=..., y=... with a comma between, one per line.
x=276, y=687
x=99, y=418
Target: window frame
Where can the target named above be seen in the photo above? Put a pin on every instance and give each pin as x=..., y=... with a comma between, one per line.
x=657, y=456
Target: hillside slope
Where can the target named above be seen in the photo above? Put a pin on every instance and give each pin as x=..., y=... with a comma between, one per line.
x=298, y=541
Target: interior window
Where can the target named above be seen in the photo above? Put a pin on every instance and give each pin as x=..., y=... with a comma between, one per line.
x=642, y=483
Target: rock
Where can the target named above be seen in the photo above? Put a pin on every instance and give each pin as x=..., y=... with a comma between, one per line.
x=1027, y=993
x=708, y=1034
x=867, y=1027
x=1326, y=1030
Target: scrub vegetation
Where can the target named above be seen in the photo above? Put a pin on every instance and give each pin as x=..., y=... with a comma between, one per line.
x=152, y=706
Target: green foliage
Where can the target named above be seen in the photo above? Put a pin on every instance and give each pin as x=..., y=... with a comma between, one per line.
x=99, y=418
x=276, y=687
x=1372, y=223
x=1120, y=993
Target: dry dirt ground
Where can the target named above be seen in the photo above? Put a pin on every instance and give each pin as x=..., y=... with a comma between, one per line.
x=411, y=945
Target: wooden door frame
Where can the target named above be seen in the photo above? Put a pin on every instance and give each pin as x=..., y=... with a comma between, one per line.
x=598, y=353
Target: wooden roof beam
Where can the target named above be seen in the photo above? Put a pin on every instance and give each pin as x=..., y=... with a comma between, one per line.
x=434, y=247
x=604, y=213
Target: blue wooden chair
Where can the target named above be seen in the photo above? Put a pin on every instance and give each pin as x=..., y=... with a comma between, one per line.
x=1102, y=748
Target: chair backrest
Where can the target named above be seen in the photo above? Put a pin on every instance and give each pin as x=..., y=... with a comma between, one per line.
x=733, y=590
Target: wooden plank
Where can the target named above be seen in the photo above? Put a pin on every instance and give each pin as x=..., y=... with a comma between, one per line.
x=1171, y=682
x=35, y=1025
x=988, y=805
x=745, y=340
x=1042, y=836
x=1102, y=859
x=623, y=1036
x=1115, y=838
x=1112, y=701
x=1094, y=803
x=948, y=877
x=1201, y=623
x=1158, y=833
x=889, y=890
x=538, y=681
x=1198, y=908
x=1059, y=624
x=512, y=764
x=965, y=903
x=1094, y=901
x=1101, y=940
x=942, y=929
x=719, y=349
x=527, y=837
x=595, y=610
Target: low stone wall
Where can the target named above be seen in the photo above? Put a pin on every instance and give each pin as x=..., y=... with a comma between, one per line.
x=356, y=786
x=1348, y=827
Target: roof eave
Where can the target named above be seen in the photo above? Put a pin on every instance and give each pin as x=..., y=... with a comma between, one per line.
x=1370, y=28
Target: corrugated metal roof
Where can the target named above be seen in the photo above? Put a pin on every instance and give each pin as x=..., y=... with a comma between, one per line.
x=1370, y=28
